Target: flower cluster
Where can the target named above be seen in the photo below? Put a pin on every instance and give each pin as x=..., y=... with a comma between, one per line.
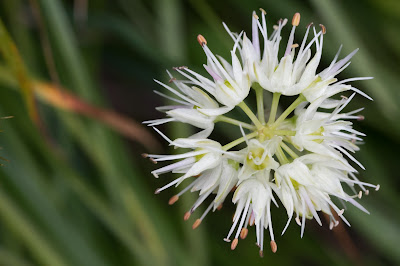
x=299, y=155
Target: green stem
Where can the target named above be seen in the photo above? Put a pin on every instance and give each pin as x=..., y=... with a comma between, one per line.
x=281, y=156
x=235, y=122
x=260, y=102
x=284, y=132
x=238, y=141
x=274, y=107
x=289, y=150
x=289, y=110
x=251, y=115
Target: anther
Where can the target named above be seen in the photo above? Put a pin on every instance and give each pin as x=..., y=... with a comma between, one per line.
x=366, y=192
x=227, y=240
x=172, y=80
x=323, y=28
x=331, y=225
x=234, y=243
x=244, y=233
x=296, y=19
x=219, y=207
x=261, y=254
x=340, y=213
x=173, y=199
x=202, y=41
x=145, y=155
x=255, y=16
x=360, y=118
x=196, y=224
x=263, y=11
x=153, y=161
x=297, y=219
x=186, y=216
x=310, y=24
x=360, y=194
x=377, y=187
x=295, y=45
x=157, y=191
x=274, y=247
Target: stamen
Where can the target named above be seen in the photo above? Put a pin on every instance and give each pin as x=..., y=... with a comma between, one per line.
x=202, y=41
x=331, y=225
x=173, y=199
x=255, y=16
x=274, y=246
x=336, y=223
x=245, y=214
x=252, y=219
x=360, y=194
x=158, y=190
x=186, y=216
x=234, y=243
x=303, y=219
x=323, y=28
x=296, y=19
x=263, y=11
x=243, y=233
x=196, y=224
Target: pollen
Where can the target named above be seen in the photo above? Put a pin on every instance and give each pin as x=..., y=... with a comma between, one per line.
x=323, y=28
x=243, y=233
x=173, y=199
x=202, y=41
x=296, y=19
x=196, y=224
x=186, y=216
x=274, y=247
x=234, y=243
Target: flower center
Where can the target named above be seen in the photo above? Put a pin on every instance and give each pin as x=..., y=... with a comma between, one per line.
x=257, y=159
x=318, y=133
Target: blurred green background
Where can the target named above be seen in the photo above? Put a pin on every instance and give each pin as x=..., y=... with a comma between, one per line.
x=79, y=81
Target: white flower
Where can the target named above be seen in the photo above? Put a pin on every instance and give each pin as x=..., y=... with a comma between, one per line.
x=294, y=73
x=206, y=154
x=302, y=158
x=195, y=107
x=253, y=199
x=232, y=84
x=324, y=133
x=258, y=158
x=306, y=184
